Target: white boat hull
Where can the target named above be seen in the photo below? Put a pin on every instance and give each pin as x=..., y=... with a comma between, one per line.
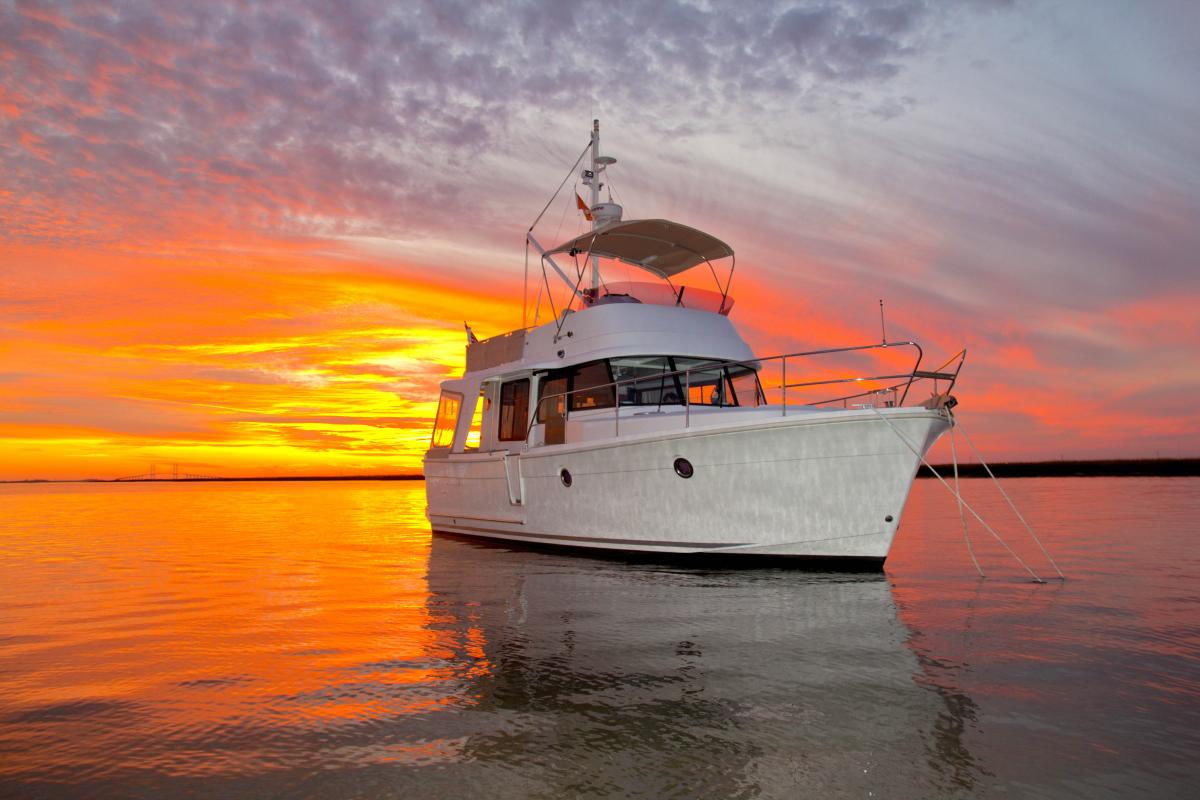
x=821, y=486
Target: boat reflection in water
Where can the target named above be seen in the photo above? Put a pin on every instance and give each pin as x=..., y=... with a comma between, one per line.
x=598, y=677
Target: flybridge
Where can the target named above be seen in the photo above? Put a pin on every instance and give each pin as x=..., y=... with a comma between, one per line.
x=661, y=247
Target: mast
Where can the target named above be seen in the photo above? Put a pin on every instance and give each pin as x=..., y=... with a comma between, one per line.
x=594, y=199
x=600, y=214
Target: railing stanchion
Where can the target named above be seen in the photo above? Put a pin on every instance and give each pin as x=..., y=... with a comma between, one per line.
x=687, y=399
x=785, y=386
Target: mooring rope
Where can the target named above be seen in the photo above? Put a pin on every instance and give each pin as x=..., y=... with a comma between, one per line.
x=958, y=495
x=949, y=488
x=1011, y=504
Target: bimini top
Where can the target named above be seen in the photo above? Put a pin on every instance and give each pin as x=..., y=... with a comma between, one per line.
x=657, y=245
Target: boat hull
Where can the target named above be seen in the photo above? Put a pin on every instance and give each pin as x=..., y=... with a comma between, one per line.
x=828, y=486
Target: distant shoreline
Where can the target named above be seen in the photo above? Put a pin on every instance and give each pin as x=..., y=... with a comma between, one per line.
x=1103, y=468
x=1106, y=468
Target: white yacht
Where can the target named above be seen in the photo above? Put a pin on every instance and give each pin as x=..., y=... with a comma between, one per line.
x=638, y=419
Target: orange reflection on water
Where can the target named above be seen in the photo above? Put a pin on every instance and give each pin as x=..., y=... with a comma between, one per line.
x=276, y=624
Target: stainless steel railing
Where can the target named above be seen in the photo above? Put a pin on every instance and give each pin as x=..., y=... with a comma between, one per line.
x=942, y=373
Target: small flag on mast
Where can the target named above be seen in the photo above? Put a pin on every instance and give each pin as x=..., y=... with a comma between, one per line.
x=587, y=212
x=471, y=337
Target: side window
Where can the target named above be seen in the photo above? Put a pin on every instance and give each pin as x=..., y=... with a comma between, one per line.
x=704, y=382
x=514, y=410
x=746, y=388
x=550, y=396
x=646, y=381
x=447, y=419
x=591, y=386
x=476, y=428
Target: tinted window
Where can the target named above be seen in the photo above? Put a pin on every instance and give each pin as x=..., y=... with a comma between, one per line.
x=646, y=381
x=745, y=386
x=591, y=386
x=514, y=410
x=714, y=383
x=651, y=381
x=703, y=382
x=550, y=396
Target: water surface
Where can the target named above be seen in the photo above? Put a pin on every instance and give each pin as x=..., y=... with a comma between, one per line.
x=312, y=640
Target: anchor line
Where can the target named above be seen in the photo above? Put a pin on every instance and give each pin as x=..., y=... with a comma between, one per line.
x=1011, y=504
x=966, y=505
x=958, y=495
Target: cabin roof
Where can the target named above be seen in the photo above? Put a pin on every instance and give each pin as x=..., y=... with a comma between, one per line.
x=611, y=331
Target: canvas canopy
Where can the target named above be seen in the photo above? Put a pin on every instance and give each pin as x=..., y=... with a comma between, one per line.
x=657, y=245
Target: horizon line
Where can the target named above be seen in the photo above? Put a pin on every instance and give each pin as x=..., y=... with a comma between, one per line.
x=1170, y=466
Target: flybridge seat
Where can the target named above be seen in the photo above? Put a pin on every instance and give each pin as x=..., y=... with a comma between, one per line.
x=614, y=297
x=658, y=294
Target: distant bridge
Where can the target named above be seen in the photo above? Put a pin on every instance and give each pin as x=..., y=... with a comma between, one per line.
x=174, y=475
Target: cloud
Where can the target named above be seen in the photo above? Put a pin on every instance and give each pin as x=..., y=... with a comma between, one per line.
x=132, y=122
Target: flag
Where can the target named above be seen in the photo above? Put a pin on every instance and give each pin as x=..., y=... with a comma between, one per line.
x=587, y=212
x=471, y=337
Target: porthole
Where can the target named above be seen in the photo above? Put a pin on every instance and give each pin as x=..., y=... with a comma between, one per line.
x=888, y=518
x=684, y=468
x=565, y=477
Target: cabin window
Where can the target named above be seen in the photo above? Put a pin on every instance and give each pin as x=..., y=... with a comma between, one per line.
x=447, y=419
x=476, y=429
x=588, y=386
x=591, y=386
x=551, y=399
x=715, y=383
x=646, y=381
x=705, y=385
x=659, y=380
x=649, y=381
x=746, y=390
x=514, y=410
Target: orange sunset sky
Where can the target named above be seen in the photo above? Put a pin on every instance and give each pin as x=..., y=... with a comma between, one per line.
x=243, y=237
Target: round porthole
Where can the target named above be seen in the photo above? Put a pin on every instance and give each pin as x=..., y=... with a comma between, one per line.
x=565, y=477
x=888, y=518
x=684, y=468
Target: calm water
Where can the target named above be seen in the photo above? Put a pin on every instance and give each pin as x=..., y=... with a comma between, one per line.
x=293, y=640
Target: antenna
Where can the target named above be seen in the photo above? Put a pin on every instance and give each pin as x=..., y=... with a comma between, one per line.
x=882, y=326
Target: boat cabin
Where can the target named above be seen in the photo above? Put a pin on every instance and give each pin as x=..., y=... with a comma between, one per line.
x=593, y=378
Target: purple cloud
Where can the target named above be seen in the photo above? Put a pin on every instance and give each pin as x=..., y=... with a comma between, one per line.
x=131, y=121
